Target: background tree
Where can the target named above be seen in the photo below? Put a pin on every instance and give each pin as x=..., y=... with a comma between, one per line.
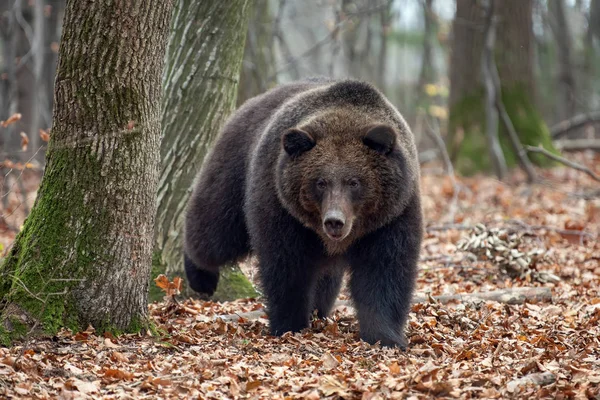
x=566, y=104
x=258, y=65
x=200, y=86
x=514, y=59
x=84, y=253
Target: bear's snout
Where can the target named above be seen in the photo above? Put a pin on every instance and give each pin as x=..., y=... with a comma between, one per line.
x=334, y=225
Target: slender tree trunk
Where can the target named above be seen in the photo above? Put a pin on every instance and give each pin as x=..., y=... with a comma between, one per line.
x=10, y=139
x=53, y=13
x=84, y=253
x=28, y=35
x=566, y=105
x=514, y=59
x=592, y=57
x=427, y=74
x=385, y=17
x=201, y=81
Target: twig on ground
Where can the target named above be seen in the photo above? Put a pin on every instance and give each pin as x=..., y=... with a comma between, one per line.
x=447, y=227
x=564, y=161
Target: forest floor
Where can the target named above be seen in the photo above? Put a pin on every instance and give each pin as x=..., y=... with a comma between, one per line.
x=482, y=236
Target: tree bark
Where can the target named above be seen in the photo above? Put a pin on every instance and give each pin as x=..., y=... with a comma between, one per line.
x=84, y=253
x=514, y=59
x=201, y=81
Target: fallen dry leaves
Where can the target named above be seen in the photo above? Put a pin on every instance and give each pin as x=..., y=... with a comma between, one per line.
x=477, y=349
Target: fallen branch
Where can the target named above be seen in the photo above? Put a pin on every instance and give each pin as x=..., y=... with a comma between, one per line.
x=578, y=144
x=574, y=232
x=521, y=224
x=562, y=128
x=507, y=296
x=564, y=161
x=539, y=378
x=448, y=227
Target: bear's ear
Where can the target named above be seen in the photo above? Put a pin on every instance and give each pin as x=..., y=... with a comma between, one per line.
x=380, y=138
x=296, y=141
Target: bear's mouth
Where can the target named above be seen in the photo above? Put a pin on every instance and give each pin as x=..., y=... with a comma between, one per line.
x=336, y=237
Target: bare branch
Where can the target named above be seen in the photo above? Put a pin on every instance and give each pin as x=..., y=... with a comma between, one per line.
x=564, y=161
x=428, y=155
x=491, y=114
x=510, y=128
x=564, y=127
x=436, y=136
x=538, y=378
x=578, y=144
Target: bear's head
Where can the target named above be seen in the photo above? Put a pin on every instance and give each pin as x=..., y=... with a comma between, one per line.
x=343, y=175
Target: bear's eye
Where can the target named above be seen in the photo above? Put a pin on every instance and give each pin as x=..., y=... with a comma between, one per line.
x=353, y=183
x=321, y=184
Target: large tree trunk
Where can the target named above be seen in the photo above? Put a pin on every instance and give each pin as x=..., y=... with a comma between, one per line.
x=201, y=80
x=514, y=59
x=84, y=253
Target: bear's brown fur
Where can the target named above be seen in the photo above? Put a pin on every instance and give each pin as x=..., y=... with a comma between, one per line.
x=315, y=177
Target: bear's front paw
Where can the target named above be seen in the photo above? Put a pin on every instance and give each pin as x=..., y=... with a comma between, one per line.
x=388, y=339
x=279, y=326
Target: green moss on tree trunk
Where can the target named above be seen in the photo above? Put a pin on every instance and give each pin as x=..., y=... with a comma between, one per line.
x=83, y=255
x=233, y=284
x=48, y=258
x=467, y=142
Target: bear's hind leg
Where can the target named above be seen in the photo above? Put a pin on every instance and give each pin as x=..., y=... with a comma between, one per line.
x=215, y=230
x=200, y=280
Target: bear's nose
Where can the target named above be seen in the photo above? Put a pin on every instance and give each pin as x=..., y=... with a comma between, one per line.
x=334, y=223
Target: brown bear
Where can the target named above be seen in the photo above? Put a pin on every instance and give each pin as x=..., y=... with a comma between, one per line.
x=315, y=177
